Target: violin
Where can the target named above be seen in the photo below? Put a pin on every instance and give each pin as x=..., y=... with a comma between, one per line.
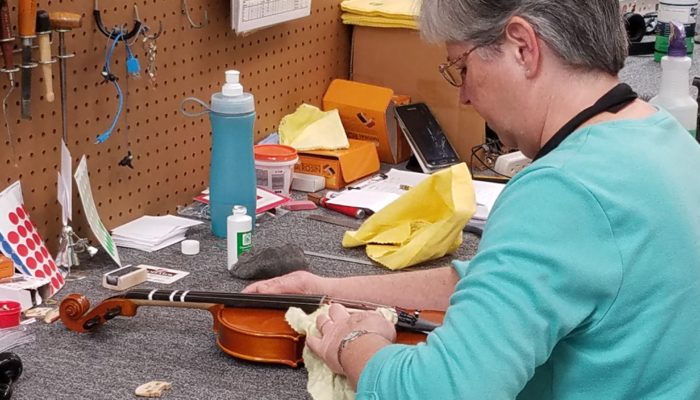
x=249, y=326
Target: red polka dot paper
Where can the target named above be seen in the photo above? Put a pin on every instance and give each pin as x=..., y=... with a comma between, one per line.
x=20, y=240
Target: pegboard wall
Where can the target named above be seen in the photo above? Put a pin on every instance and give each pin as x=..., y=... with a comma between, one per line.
x=283, y=66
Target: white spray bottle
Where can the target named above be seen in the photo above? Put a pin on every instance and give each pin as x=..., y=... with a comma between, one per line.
x=674, y=93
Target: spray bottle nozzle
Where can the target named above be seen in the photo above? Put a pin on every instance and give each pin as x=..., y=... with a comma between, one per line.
x=676, y=44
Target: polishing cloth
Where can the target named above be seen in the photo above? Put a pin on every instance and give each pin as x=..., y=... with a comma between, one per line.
x=397, y=9
x=309, y=128
x=423, y=224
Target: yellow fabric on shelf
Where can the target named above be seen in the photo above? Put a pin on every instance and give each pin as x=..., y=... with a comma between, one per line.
x=424, y=224
x=309, y=128
x=408, y=9
x=378, y=22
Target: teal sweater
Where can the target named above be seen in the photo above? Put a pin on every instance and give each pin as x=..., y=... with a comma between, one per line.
x=586, y=284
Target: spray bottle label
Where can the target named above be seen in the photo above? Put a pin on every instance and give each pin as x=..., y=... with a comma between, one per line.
x=243, y=242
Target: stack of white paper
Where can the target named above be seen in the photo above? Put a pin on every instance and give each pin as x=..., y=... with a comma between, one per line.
x=150, y=233
x=486, y=195
x=13, y=337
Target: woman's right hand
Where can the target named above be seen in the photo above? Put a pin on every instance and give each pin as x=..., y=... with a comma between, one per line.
x=297, y=282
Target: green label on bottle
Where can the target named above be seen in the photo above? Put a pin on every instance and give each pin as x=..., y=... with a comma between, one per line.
x=694, y=133
x=244, y=241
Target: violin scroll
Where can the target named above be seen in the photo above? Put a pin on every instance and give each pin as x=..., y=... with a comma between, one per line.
x=76, y=315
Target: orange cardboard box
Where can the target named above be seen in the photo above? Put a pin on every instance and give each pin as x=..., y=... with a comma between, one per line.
x=340, y=167
x=398, y=59
x=367, y=113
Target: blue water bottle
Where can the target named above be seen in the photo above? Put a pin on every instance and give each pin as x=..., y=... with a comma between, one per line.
x=232, y=174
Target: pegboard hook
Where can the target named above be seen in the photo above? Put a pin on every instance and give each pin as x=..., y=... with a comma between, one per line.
x=185, y=10
x=145, y=28
x=113, y=34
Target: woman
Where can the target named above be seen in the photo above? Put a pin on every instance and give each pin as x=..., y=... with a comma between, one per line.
x=586, y=284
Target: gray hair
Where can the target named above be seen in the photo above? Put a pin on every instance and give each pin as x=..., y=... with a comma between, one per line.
x=586, y=34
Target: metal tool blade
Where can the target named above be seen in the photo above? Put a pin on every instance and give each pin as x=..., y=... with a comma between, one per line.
x=26, y=78
x=347, y=223
x=338, y=258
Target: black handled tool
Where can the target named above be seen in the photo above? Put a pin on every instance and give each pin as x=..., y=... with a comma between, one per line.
x=27, y=32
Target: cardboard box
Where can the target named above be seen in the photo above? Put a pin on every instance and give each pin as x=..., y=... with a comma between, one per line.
x=340, y=167
x=399, y=59
x=27, y=290
x=367, y=113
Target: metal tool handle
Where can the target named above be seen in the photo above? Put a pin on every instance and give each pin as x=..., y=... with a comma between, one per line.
x=27, y=18
x=43, y=27
x=6, y=35
x=45, y=61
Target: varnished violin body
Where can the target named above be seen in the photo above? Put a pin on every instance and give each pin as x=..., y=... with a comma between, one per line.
x=248, y=326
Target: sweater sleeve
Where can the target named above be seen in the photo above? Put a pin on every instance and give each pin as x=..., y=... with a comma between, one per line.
x=547, y=268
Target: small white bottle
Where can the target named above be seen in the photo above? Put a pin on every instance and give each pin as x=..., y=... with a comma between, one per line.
x=674, y=93
x=239, y=235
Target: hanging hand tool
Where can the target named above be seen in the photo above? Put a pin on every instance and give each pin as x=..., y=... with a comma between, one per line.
x=27, y=32
x=63, y=22
x=6, y=41
x=43, y=30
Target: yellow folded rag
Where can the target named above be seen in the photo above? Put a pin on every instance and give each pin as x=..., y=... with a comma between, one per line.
x=309, y=128
x=424, y=224
x=383, y=8
x=378, y=22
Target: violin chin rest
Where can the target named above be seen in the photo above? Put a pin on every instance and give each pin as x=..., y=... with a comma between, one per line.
x=10, y=371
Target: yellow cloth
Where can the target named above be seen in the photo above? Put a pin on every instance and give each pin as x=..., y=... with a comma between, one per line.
x=378, y=22
x=309, y=128
x=406, y=9
x=323, y=384
x=424, y=224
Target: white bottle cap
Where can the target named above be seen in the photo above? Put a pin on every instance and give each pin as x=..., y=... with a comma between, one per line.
x=189, y=247
x=232, y=87
x=240, y=210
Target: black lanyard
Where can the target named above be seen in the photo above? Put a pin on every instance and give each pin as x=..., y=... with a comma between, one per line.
x=613, y=101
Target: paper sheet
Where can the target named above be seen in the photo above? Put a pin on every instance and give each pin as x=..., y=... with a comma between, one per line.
x=380, y=190
x=163, y=275
x=247, y=15
x=82, y=180
x=377, y=192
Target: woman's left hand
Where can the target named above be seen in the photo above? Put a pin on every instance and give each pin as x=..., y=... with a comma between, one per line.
x=338, y=324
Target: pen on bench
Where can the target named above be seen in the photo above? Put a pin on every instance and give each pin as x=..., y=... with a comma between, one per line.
x=354, y=212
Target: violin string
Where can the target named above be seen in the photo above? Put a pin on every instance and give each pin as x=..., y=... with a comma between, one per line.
x=291, y=300
x=202, y=297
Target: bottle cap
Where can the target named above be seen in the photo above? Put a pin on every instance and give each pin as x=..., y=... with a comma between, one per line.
x=240, y=210
x=676, y=44
x=232, y=99
x=189, y=247
x=232, y=87
x=274, y=152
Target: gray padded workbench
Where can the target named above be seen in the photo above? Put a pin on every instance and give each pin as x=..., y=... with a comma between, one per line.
x=178, y=345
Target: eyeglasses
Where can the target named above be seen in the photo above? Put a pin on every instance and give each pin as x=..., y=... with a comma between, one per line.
x=452, y=74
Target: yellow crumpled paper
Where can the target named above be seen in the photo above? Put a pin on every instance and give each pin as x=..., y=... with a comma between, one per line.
x=424, y=224
x=309, y=128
